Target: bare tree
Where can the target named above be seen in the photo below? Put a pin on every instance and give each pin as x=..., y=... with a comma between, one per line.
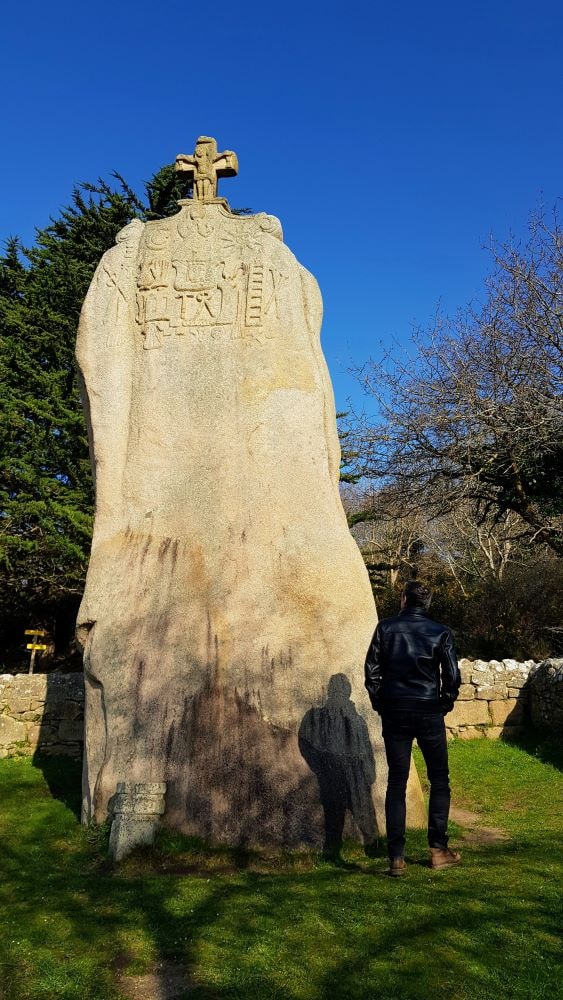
x=476, y=417
x=474, y=547
x=390, y=543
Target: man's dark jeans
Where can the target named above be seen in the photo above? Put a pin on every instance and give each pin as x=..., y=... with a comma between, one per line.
x=399, y=730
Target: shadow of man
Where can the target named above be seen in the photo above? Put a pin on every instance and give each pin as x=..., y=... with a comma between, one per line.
x=335, y=743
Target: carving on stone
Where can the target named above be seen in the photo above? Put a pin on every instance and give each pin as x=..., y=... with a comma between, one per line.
x=118, y=279
x=118, y=306
x=241, y=240
x=156, y=237
x=262, y=294
x=185, y=224
x=204, y=227
x=269, y=224
x=206, y=166
x=129, y=236
x=194, y=293
x=153, y=317
x=155, y=273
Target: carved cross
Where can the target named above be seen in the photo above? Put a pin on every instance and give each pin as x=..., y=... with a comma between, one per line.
x=205, y=166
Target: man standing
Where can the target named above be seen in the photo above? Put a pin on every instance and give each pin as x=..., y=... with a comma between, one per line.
x=413, y=679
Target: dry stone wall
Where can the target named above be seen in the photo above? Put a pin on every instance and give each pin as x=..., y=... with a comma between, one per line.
x=42, y=712
x=45, y=712
x=546, y=695
x=492, y=699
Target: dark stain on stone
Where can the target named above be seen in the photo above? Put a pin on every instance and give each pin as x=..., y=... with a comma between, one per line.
x=145, y=549
x=138, y=700
x=216, y=663
x=209, y=641
x=163, y=547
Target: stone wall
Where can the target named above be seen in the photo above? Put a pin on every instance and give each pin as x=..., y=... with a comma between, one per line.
x=546, y=695
x=41, y=711
x=46, y=711
x=492, y=699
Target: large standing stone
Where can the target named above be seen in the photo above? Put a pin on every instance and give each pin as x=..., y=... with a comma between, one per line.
x=227, y=609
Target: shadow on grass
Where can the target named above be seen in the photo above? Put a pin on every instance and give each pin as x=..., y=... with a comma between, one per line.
x=542, y=745
x=326, y=932
x=64, y=780
x=61, y=733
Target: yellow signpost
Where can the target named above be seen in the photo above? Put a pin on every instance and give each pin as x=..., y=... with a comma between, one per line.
x=34, y=645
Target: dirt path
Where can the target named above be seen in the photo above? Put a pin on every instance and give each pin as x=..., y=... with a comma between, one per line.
x=473, y=830
x=167, y=981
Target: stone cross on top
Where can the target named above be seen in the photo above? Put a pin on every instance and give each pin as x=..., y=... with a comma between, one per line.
x=205, y=166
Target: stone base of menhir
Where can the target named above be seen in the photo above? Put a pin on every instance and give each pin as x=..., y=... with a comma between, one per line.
x=137, y=808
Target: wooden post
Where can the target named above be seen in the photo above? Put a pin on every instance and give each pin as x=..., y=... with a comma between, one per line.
x=34, y=645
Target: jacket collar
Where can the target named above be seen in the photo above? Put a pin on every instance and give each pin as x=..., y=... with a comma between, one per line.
x=417, y=610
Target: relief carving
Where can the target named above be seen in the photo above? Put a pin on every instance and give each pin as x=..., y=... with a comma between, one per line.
x=119, y=279
x=156, y=237
x=216, y=277
x=263, y=294
x=153, y=316
x=206, y=166
x=154, y=273
x=228, y=294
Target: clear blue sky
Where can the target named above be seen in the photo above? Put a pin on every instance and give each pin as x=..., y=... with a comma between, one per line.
x=390, y=139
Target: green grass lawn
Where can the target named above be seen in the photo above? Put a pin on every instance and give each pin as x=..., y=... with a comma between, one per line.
x=291, y=926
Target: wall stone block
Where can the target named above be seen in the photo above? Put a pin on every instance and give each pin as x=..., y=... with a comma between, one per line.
x=18, y=704
x=517, y=692
x=470, y=733
x=510, y=711
x=29, y=685
x=11, y=731
x=466, y=692
x=71, y=730
x=490, y=692
x=469, y=713
x=465, y=669
x=480, y=677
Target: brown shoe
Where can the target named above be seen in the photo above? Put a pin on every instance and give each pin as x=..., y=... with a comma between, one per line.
x=397, y=867
x=443, y=857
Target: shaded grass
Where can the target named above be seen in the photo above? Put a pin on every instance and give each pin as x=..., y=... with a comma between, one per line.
x=291, y=926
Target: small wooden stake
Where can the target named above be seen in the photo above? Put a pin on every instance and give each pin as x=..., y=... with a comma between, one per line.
x=34, y=645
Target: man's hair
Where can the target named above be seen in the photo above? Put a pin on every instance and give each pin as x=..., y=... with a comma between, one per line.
x=417, y=595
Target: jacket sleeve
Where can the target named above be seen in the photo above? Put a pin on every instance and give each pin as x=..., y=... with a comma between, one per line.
x=373, y=670
x=450, y=675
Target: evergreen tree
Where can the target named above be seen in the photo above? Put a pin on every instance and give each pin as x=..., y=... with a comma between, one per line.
x=46, y=498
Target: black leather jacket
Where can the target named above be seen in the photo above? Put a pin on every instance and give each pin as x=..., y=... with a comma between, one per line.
x=411, y=664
